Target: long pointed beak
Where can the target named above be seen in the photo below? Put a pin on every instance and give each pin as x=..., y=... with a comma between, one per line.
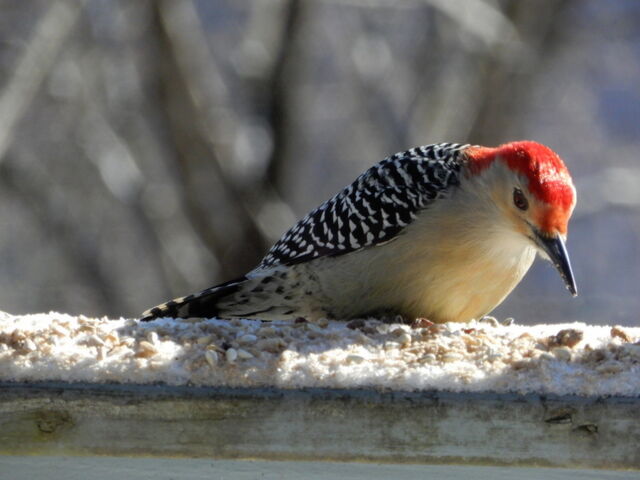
x=554, y=247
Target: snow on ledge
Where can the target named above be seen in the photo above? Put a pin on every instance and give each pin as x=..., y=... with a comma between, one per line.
x=569, y=359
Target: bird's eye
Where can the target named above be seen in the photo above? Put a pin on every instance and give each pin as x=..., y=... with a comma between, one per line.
x=519, y=200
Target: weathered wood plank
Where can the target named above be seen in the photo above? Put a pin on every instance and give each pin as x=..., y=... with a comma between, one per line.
x=320, y=424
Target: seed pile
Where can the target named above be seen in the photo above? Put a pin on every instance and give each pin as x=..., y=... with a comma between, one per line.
x=479, y=356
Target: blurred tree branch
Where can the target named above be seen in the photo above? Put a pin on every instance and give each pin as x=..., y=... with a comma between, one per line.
x=196, y=100
x=277, y=87
x=195, y=92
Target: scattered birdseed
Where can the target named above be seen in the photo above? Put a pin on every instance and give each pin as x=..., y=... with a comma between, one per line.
x=354, y=359
x=474, y=357
x=421, y=323
x=60, y=330
x=493, y=321
x=620, y=333
x=266, y=331
x=152, y=337
x=452, y=357
x=568, y=337
x=232, y=355
x=29, y=345
x=244, y=355
x=211, y=357
x=429, y=358
x=146, y=350
x=95, y=341
x=204, y=340
x=247, y=338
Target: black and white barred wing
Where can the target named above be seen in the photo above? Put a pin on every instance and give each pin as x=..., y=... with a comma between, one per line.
x=375, y=208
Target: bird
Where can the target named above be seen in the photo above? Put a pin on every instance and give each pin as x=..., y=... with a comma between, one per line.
x=444, y=232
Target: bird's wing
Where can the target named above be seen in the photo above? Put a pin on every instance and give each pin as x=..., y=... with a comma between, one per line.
x=375, y=208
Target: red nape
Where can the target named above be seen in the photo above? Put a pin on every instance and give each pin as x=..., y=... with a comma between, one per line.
x=549, y=179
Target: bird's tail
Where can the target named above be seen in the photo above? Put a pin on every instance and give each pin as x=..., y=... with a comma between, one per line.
x=203, y=304
x=264, y=295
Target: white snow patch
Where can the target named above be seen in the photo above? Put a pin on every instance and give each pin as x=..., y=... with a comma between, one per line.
x=473, y=357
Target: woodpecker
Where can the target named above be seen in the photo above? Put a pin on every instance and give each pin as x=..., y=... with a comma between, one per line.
x=443, y=231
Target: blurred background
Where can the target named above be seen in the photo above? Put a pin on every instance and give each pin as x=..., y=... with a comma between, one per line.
x=149, y=149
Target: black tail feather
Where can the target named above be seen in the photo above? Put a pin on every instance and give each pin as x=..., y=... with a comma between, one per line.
x=202, y=305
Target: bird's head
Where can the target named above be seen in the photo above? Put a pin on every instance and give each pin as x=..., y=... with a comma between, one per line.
x=532, y=188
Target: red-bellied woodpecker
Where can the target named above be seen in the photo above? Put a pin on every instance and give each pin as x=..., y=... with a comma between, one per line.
x=443, y=231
